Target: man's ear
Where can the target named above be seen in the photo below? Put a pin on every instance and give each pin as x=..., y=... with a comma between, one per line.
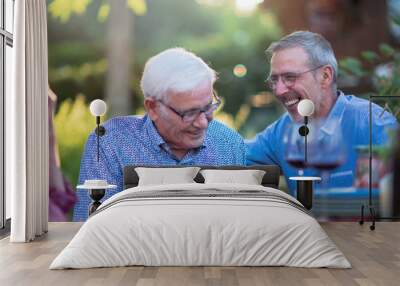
x=327, y=76
x=150, y=106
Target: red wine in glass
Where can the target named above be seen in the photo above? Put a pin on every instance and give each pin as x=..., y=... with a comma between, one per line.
x=326, y=150
x=294, y=147
x=296, y=163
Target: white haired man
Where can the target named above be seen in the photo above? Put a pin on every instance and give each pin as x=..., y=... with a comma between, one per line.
x=178, y=128
x=303, y=66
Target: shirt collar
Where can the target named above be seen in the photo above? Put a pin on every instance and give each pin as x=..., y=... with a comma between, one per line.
x=335, y=115
x=155, y=138
x=159, y=142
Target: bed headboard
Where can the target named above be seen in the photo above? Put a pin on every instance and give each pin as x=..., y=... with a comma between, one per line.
x=270, y=179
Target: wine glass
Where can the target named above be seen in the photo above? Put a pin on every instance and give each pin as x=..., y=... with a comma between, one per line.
x=295, y=147
x=326, y=153
x=326, y=150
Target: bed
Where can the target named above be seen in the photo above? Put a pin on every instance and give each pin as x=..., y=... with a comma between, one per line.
x=222, y=216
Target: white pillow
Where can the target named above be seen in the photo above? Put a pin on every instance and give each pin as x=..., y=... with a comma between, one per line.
x=165, y=176
x=248, y=177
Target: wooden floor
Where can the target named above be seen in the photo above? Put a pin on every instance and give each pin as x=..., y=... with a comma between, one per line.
x=374, y=255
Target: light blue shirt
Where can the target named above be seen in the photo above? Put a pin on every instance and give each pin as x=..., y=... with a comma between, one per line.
x=352, y=113
x=133, y=140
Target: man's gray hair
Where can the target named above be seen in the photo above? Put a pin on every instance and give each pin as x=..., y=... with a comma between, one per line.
x=318, y=49
x=174, y=70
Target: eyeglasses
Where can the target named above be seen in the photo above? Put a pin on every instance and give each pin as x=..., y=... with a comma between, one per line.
x=191, y=115
x=288, y=79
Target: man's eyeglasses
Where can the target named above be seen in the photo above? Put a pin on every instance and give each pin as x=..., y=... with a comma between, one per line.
x=191, y=115
x=288, y=79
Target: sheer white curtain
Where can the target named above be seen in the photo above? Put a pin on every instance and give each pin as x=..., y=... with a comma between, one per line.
x=27, y=138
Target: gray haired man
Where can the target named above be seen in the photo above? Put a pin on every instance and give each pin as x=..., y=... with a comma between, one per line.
x=177, y=129
x=304, y=66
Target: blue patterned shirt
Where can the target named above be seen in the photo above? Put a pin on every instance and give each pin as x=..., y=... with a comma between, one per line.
x=352, y=113
x=134, y=140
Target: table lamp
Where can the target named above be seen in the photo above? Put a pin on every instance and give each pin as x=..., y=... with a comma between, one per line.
x=98, y=108
x=97, y=187
x=305, y=184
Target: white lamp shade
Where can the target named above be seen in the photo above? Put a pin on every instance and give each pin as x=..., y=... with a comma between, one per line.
x=305, y=107
x=98, y=107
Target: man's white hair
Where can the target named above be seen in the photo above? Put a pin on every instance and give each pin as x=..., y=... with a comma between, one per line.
x=175, y=70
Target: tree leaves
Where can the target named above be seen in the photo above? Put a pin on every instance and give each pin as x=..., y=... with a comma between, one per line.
x=386, y=50
x=352, y=65
x=104, y=10
x=138, y=7
x=370, y=56
x=64, y=9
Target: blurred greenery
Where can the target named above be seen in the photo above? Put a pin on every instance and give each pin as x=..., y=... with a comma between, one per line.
x=380, y=70
x=64, y=9
x=73, y=123
x=232, y=43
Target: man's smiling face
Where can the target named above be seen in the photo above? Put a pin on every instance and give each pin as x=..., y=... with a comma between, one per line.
x=302, y=81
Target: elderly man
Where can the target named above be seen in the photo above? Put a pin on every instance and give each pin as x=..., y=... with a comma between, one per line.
x=303, y=66
x=178, y=128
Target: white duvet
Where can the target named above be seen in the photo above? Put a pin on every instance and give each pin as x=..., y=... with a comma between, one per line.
x=187, y=230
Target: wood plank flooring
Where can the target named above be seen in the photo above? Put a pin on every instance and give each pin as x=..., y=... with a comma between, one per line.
x=374, y=255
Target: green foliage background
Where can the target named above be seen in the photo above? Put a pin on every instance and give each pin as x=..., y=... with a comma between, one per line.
x=73, y=123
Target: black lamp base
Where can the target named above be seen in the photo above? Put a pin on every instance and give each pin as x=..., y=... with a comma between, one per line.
x=305, y=193
x=96, y=195
x=305, y=190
